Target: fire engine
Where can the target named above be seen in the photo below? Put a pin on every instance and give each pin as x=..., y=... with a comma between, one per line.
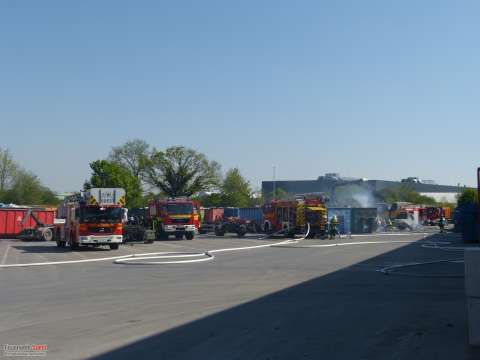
x=177, y=217
x=290, y=217
x=432, y=215
x=91, y=218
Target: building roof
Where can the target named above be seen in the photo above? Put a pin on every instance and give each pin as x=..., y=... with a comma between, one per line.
x=323, y=184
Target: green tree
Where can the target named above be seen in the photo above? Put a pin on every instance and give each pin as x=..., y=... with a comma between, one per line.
x=110, y=174
x=179, y=171
x=405, y=194
x=211, y=200
x=468, y=196
x=236, y=189
x=132, y=155
x=27, y=189
x=278, y=194
x=256, y=198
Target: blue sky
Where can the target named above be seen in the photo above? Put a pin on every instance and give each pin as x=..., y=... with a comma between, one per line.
x=375, y=89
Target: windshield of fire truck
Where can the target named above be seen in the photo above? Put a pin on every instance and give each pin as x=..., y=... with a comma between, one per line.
x=179, y=209
x=101, y=215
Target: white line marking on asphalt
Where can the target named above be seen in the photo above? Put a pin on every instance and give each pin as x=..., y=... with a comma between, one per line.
x=201, y=255
x=383, y=234
x=352, y=243
x=4, y=258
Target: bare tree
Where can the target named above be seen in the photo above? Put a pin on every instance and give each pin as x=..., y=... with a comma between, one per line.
x=131, y=155
x=8, y=169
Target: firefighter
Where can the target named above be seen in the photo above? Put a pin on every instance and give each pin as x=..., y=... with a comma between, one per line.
x=441, y=223
x=333, y=227
x=324, y=230
x=389, y=224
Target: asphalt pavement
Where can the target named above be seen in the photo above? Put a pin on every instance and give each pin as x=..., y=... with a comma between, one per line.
x=306, y=300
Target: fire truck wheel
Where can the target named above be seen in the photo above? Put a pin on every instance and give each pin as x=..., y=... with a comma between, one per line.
x=241, y=231
x=189, y=235
x=179, y=236
x=74, y=246
x=219, y=232
x=47, y=234
x=113, y=246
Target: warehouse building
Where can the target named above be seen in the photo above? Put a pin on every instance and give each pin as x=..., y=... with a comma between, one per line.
x=357, y=191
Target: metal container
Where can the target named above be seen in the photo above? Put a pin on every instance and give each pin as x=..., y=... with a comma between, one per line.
x=231, y=212
x=364, y=220
x=467, y=222
x=251, y=214
x=11, y=220
x=344, y=217
x=213, y=214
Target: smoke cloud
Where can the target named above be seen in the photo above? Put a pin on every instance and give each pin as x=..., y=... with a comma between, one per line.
x=354, y=196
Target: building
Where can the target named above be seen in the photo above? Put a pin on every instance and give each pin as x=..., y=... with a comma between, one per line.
x=357, y=191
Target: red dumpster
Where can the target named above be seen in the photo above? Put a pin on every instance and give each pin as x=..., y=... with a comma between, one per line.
x=212, y=215
x=11, y=220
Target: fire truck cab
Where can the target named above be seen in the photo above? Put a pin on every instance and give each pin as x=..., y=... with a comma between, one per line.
x=92, y=218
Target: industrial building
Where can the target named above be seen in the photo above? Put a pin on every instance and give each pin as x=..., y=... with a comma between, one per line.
x=357, y=191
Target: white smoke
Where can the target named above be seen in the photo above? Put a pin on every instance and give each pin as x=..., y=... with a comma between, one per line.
x=354, y=196
x=365, y=199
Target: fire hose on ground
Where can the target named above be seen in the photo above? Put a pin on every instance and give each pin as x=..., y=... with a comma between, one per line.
x=175, y=257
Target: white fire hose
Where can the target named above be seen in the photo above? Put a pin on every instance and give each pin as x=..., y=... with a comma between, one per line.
x=173, y=257
x=146, y=259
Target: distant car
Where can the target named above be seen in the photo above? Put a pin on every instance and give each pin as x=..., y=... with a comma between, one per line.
x=414, y=180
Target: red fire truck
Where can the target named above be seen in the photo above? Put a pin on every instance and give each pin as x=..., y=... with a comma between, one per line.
x=92, y=218
x=177, y=217
x=291, y=216
x=432, y=215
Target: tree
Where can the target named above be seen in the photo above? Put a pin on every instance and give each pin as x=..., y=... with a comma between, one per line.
x=27, y=189
x=405, y=194
x=211, y=200
x=278, y=194
x=131, y=155
x=468, y=196
x=179, y=171
x=110, y=174
x=8, y=170
x=20, y=186
x=236, y=189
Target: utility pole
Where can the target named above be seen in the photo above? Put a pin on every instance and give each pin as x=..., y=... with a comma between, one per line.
x=274, y=183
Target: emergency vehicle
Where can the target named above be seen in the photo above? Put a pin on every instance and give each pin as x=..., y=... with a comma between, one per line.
x=290, y=217
x=91, y=218
x=406, y=216
x=178, y=217
x=432, y=215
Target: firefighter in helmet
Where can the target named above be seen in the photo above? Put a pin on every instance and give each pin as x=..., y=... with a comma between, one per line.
x=333, y=227
x=441, y=224
x=324, y=228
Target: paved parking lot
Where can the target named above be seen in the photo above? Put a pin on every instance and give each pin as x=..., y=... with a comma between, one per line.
x=302, y=301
